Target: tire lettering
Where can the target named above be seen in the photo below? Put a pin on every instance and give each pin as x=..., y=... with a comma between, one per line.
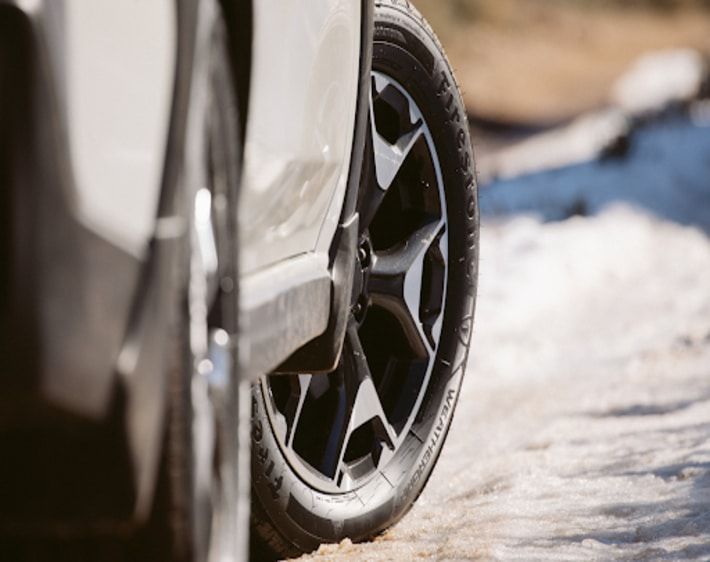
x=465, y=160
x=444, y=85
x=439, y=430
x=461, y=138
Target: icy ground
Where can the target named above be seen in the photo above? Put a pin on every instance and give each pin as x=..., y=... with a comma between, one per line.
x=583, y=429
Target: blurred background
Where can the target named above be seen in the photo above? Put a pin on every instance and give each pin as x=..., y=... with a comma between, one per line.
x=525, y=66
x=542, y=61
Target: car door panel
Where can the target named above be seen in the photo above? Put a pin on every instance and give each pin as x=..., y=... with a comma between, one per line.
x=300, y=128
x=119, y=66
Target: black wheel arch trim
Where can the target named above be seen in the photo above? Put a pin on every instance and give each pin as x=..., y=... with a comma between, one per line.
x=321, y=355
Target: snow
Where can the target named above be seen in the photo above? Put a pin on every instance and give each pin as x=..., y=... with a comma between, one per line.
x=667, y=173
x=583, y=429
x=659, y=79
x=579, y=141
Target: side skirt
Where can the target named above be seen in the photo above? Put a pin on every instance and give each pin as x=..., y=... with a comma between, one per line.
x=281, y=309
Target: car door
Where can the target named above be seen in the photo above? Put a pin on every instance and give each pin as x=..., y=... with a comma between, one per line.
x=300, y=127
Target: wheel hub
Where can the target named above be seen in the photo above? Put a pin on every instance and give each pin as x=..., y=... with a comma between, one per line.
x=360, y=298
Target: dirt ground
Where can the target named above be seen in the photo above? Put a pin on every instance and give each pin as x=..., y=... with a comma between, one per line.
x=583, y=429
x=546, y=60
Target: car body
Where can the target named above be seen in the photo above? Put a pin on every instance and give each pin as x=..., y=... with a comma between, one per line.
x=239, y=250
x=100, y=107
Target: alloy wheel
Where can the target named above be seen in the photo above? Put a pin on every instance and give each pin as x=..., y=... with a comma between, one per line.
x=338, y=429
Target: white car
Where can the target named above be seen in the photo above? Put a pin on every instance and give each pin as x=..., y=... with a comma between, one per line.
x=238, y=269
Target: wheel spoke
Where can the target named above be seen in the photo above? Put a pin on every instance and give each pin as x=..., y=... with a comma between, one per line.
x=294, y=406
x=433, y=308
x=395, y=284
x=358, y=404
x=388, y=152
x=389, y=156
x=370, y=196
x=367, y=404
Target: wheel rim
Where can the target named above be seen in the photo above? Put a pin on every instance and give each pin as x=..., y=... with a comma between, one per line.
x=212, y=386
x=338, y=430
x=220, y=402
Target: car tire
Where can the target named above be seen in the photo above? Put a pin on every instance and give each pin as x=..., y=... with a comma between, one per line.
x=202, y=487
x=292, y=512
